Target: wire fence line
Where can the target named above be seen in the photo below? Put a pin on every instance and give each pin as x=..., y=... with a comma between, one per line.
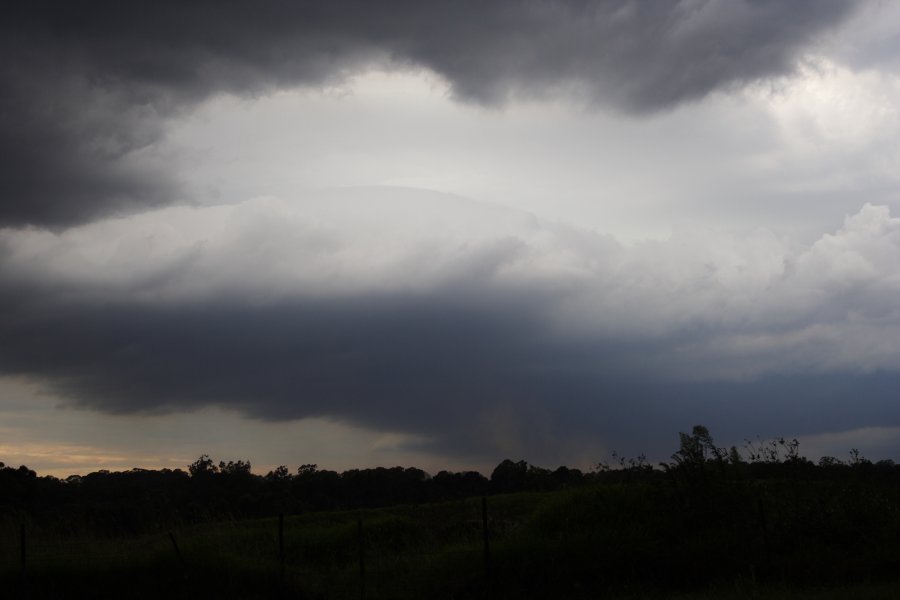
x=276, y=547
x=40, y=550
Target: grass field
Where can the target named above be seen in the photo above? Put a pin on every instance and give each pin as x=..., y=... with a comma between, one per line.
x=598, y=541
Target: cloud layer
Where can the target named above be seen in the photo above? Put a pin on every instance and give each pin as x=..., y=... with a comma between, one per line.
x=478, y=328
x=86, y=92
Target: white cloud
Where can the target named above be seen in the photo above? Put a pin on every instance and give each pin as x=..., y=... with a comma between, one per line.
x=835, y=129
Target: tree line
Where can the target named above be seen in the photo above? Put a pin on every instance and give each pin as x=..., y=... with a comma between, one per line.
x=142, y=500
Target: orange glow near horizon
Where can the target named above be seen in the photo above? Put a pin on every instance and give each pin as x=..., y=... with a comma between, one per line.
x=62, y=460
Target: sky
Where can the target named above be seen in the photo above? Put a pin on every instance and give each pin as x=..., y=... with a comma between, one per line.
x=442, y=234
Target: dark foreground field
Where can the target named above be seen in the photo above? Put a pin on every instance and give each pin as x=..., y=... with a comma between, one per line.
x=774, y=539
x=710, y=524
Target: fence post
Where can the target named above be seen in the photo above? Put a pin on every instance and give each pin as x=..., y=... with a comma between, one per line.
x=362, y=560
x=177, y=550
x=765, y=531
x=281, y=545
x=22, y=546
x=487, y=540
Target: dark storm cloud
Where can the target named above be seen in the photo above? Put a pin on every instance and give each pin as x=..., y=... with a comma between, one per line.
x=86, y=88
x=426, y=366
x=479, y=379
x=528, y=338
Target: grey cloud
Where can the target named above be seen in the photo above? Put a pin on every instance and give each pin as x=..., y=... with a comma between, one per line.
x=485, y=379
x=87, y=88
x=522, y=337
x=482, y=381
x=870, y=39
x=735, y=304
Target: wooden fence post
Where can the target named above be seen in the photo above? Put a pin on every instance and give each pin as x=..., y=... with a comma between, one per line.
x=765, y=531
x=177, y=550
x=281, y=545
x=487, y=540
x=22, y=546
x=362, y=560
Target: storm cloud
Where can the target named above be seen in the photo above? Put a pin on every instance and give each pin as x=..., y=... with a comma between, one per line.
x=495, y=332
x=88, y=90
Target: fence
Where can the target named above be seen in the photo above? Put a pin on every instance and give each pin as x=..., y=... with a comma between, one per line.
x=589, y=539
x=315, y=551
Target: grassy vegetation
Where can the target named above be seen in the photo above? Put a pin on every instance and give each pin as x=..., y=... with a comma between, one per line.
x=638, y=540
x=707, y=525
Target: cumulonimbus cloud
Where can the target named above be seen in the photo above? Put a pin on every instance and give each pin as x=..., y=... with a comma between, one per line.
x=354, y=306
x=86, y=89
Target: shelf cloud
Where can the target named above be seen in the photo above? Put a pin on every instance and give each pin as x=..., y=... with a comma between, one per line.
x=355, y=305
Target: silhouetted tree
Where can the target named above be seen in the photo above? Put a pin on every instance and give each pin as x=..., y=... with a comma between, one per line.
x=509, y=476
x=202, y=467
